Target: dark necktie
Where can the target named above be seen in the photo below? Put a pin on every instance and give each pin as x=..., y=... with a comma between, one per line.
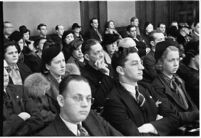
x=139, y=97
x=82, y=131
x=177, y=87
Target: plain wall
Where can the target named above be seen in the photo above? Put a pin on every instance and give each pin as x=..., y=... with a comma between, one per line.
x=33, y=13
x=121, y=12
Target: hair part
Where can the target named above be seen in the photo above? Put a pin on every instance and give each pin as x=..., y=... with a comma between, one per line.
x=120, y=57
x=67, y=79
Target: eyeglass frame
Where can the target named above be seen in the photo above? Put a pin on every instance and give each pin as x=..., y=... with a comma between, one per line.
x=79, y=98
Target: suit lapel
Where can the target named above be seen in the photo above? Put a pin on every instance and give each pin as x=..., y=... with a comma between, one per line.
x=61, y=128
x=91, y=126
x=130, y=102
x=171, y=94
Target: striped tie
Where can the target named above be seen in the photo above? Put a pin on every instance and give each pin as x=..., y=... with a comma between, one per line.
x=140, y=99
x=82, y=131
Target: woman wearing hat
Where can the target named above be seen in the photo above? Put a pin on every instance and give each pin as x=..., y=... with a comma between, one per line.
x=17, y=71
x=67, y=38
x=53, y=67
x=110, y=43
x=170, y=86
x=110, y=28
x=77, y=56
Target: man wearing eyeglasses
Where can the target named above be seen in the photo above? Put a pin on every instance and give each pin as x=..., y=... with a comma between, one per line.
x=132, y=107
x=75, y=118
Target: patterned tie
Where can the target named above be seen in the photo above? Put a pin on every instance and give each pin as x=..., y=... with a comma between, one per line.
x=82, y=131
x=177, y=87
x=139, y=97
x=15, y=75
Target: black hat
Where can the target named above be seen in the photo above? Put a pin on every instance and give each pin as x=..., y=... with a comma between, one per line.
x=75, y=25
x=23, y=29
x=109, y=39
x=15, y=36
x=66, y=33
x=161, y=47
x=48, y=54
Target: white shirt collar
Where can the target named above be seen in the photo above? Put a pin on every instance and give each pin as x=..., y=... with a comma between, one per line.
x=72, y=127
x=129, y=87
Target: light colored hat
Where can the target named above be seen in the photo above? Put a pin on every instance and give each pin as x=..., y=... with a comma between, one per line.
x=127, y=42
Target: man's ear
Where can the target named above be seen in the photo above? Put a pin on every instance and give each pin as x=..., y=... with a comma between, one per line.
x=152, y=43
x=86, y=56
x=60, y=100
x=47, y=66
x=120, y=70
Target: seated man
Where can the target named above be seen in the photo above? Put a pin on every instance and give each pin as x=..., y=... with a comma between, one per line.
x=75, y=118
x=97, y=72
x=57, y=37
x=133, y=108
x=20, y=115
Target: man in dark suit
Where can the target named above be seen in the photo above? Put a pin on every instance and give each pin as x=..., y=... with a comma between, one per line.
x=93, y=32
x=97, y=71
x=149, y=73
x=133, y=108
x=75, y=118
x=57, y=38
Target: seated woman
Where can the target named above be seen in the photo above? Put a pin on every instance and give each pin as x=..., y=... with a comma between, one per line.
x=17, y=71
x=37, y=87
x=53, y=67
x=67, y=38
x=20, y=116
x=189, y=70
x=17, y=37
x=171, y=87
x=77, y=56
x=110, y=28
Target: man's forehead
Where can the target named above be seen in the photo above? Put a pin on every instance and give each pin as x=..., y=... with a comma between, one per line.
x=96, y=47
x=133, y=57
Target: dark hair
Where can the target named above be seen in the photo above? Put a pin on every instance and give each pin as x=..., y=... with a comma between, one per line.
x=67, y=79
x=56, y=27
x=11, y=43
x=160, y=24
x=108, y=23
x=37, y=41
x=120, y=57
x=75, y=44
x=191, y=50
x=129, y=27
x=94, y=18
x=64, y=36
x=151, y=35
x=5, y=22
x=49, y=43
x=133, y=18
x=23, y=29
x=173, y=31
x=86, y=46
x=40, y=25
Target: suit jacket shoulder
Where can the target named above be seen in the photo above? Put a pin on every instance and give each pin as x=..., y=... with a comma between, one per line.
x=56, y=128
